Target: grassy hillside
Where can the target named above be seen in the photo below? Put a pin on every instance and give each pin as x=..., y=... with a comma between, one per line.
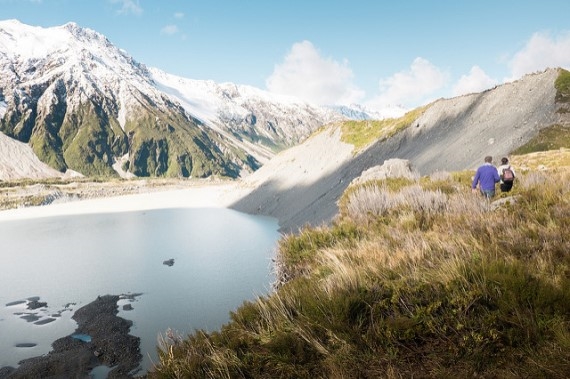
x=161, y=141
x=413, y=279
x=562, y=85
x=551, y=138
x=363, y=133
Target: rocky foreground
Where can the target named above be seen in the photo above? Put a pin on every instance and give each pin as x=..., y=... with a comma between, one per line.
x=101, y=339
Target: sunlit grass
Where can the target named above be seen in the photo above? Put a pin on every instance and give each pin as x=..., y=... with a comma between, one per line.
x=552, y=138
x=415, y=278
x=553, y=160
x=362, y=133
x=562, y=85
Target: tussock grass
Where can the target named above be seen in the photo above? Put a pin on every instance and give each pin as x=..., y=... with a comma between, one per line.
x=363, y=133
x=553, y=160
x=413, y=279
x=369, y=203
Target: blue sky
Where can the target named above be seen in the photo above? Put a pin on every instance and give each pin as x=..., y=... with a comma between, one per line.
x=372, y=52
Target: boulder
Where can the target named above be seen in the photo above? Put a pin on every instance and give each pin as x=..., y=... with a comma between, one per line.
x=391, y=168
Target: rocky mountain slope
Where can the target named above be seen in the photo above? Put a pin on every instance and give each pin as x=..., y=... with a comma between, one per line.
x=83, y=104
x=302, y=185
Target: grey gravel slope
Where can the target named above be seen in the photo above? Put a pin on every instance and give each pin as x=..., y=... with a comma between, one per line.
x=17, y=160
x=302, y=186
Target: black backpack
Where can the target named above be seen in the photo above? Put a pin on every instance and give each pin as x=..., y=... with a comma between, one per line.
x=508, y=175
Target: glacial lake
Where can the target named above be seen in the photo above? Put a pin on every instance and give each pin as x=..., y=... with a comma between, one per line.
x=221, y=258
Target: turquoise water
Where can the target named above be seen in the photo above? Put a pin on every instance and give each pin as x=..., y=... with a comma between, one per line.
x=220, y=258
x=82, y=337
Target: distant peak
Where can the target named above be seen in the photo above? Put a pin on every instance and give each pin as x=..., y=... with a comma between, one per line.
x=71, y=26
x=77, y=30
x=12, y=25
x=11, y=21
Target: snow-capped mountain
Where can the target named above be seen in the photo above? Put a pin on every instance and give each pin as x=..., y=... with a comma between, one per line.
x=248, y=113
x=83, y=104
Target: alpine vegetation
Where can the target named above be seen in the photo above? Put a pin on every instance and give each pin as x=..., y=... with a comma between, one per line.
x=414, y=278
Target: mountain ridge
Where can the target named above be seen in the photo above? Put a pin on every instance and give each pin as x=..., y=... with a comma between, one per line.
x=83, y=104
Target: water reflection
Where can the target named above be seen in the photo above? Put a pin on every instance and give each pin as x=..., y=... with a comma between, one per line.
x=220, y=258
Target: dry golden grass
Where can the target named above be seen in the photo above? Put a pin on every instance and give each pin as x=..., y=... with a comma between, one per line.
x=558, y=160
x=363, y=133
x=414, y=279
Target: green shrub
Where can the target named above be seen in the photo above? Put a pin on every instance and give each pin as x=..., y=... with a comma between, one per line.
x=360, y=134
x=562, y=85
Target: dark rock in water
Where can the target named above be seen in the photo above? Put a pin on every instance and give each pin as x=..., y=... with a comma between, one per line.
x=35, y=304
x=26, y=344
x=168, y=262
x=111, y=345
x=11, y=304
x=44, y=321
x=127, y=307
x=29, y=317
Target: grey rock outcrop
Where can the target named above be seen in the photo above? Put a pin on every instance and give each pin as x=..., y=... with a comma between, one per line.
x=391, y=168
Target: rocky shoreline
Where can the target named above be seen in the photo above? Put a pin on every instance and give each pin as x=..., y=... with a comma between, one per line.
x=101, y=339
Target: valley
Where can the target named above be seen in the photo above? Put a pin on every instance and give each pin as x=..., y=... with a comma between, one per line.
x=182, y=143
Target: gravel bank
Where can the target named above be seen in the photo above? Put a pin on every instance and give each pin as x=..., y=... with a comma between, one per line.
x=104, y=341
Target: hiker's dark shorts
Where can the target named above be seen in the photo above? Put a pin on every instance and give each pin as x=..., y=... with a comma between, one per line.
x=506, y=186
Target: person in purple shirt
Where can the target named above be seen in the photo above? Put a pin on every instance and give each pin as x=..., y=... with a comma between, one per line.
x=486, y=177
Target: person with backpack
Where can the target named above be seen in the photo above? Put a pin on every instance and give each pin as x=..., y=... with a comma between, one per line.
x=486, y=177
x=507, y=174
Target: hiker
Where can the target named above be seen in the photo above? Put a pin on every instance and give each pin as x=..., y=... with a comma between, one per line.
x=507, y=175
x=486, y=177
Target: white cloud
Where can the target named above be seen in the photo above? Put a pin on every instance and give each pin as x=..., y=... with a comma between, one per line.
x=476, y=81
x=410, y=88
x=178, y=15
x=540, y=52
x=305, y=74
x=169, y=30
x=128, y=7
